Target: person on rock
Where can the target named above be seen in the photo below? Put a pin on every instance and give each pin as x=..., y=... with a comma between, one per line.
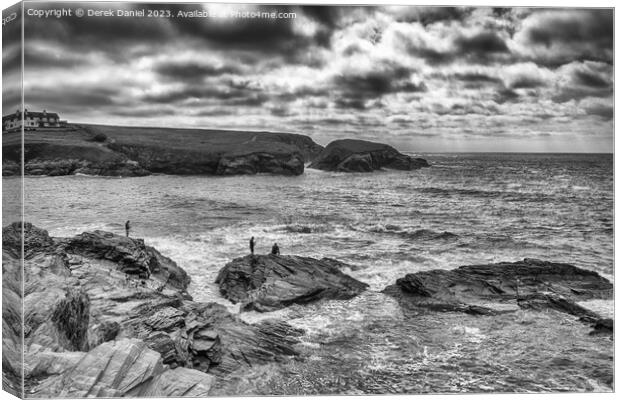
x=127, y=228
x=252, y=243
x=275, y=250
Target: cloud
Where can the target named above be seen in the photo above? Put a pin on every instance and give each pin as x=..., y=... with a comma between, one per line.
x=398, y=72
x=193, y=71
x=481, y=44
x=584, y=79
x=556, y=37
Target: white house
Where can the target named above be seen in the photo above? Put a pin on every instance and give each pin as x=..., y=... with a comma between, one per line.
x=32, y=120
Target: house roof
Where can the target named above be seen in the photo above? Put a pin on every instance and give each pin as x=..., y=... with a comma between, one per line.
x=32, y=114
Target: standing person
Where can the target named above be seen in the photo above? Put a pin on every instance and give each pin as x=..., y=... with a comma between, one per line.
x=127, y=228
x=275, y=250
x=252, y=243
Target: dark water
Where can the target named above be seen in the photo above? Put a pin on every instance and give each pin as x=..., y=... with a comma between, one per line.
x=467, y=208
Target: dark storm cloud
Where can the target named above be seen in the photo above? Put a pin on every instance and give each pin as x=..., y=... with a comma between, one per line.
x=481, y=43
x=261, y=35
x=481, y=47
x=226, y=95
x=357, y=104
x=193, y=71
x=37, y=58
x=108, y=33
x=602, y=110
x=430, y=15
x=384, y=78
x=476, y=77
x=588, y=79
x=132, y=112
x=115, y=36
x=72, y=97
x=527, y=82
x=591, y=78
x=592, y=26
x=505, y=96
x=570, y=35
x=476, y=80
x=567, y=93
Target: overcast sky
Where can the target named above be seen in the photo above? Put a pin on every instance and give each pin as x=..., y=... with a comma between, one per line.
x=422, y=79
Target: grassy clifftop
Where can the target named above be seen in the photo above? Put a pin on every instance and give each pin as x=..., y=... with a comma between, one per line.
x=130, y=151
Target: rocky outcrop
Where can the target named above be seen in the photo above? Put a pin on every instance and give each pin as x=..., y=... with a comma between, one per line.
x=350, y=155
x=131, y=256
x=528, y=284
x=261, y=162
x=106, y=315
x=133, y=151
x=268, y=282
x=68, y=157
x=120, y=368
x=12, y=320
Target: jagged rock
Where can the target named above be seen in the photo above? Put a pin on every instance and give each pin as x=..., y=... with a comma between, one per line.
x=78, y=298
x=71, y=316
x=165, y=319
x=602, y=326
x=530, y=284
x=35, y=239
x=130, y=254
x=179, y=382
x=267, y=283
x=242, y=345
x=349, y=155
x=289, y=163
x=166, y=346
x=167, y=270
x=114, y=369
x=12, y=323
x=102, y=332
x=552, y=301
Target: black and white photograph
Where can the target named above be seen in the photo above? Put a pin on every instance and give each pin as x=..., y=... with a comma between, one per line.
x=228, y=199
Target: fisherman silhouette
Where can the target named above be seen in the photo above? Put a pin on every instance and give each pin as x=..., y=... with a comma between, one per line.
x=252, y=243
x=127, y=228
x=275, y=250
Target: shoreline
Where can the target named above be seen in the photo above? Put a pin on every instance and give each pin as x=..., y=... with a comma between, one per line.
x=89, y=252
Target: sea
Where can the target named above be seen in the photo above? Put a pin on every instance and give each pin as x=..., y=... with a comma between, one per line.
x=465, y=209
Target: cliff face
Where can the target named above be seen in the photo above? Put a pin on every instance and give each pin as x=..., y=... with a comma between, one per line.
x=133, y=151
x=350, y=155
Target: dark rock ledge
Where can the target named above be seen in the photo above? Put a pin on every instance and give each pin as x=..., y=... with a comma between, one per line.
x=491, y=289
x=105, y=315
x=268, y=282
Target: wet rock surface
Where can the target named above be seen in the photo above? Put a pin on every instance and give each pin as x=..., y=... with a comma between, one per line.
x=267, y=282
x=496, y=288
x=106, y=315
x=349, y=155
